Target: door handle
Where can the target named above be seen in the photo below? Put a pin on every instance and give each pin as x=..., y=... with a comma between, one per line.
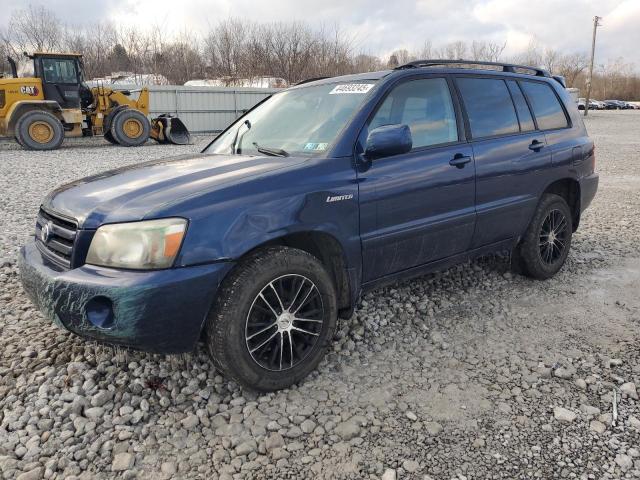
x=536, y=146
x=459, y=160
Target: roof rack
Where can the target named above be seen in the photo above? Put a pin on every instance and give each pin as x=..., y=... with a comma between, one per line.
x=506, y=67
x=308, y=80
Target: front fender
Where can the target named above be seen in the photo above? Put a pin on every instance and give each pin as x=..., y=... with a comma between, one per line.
x=318, y=197
x=16, y=110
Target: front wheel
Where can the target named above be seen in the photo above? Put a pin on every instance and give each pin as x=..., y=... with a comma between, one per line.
x=130, y=128
x=546, y=243
x=273, y=320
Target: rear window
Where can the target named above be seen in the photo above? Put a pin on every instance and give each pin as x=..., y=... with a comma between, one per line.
x=489, y=106
x=545, y=105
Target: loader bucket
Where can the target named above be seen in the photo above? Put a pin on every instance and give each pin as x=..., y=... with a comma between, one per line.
x=169, y=129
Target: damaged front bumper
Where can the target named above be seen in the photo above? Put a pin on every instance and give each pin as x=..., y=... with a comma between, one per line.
x=160, y=311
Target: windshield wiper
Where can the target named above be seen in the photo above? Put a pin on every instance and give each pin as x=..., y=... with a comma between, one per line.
x=273, y=152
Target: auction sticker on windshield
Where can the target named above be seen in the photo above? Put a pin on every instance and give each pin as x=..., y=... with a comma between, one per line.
x=351, y=88
x=316, y=146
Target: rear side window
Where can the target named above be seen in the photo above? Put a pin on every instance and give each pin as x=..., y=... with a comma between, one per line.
x=545, y=105
x=489, y=106
x=524, y=114
x=425, y=106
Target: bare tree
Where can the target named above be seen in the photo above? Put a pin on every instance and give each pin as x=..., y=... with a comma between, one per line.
x=292, y=46
x=35, y=29
x=572, y=65
x=486, y=51
x=366, y=63
x=454, y=50
x=224, y=47
x=400, y=57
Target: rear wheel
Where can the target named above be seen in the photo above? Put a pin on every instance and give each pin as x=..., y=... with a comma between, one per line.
x=274, y=319
x=130, y=128
x=546, y=244
x=39, y=130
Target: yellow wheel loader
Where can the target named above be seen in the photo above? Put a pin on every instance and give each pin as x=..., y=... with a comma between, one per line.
x=56, y=103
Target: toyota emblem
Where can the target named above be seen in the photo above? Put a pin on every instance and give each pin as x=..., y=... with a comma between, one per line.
x=46, y=232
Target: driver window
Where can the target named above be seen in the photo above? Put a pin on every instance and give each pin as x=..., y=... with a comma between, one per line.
x=425, y=106
x=59, y=71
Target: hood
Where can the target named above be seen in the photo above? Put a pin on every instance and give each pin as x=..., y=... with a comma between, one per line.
x=133, y=192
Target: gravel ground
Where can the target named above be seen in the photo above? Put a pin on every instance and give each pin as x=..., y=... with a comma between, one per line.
x=473, y=373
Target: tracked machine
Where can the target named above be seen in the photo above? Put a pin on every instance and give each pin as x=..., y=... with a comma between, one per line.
x=55, y=103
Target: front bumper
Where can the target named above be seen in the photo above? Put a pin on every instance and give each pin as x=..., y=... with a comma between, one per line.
x=159, y=311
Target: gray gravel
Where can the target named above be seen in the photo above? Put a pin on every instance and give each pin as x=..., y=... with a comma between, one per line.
x=473, y=373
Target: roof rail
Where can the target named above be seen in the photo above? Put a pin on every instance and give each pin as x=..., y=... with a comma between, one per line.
x=506, y=67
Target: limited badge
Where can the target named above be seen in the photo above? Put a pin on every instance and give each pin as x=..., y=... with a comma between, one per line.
x=351, y=88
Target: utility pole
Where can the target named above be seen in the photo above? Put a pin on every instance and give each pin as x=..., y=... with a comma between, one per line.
x=596, y=24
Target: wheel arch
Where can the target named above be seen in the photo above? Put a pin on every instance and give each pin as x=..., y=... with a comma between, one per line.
x=569, y=189
x=18, y=109
x=328, y=249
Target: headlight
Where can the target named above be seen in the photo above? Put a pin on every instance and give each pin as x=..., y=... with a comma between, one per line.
x=150, y=244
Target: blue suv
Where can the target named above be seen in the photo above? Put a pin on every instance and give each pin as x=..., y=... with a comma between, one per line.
x=322, y=191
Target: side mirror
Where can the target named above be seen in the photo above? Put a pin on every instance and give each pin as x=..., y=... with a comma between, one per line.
x=388, y=140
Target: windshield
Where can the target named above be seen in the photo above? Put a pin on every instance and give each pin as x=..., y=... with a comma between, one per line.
x=299, y=121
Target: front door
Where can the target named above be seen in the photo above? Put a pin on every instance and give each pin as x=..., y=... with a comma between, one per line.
x=417, y=207
x=60, y=80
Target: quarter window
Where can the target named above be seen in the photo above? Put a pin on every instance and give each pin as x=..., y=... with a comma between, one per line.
x=545, y=105
x=425, y=106
x=489, y=106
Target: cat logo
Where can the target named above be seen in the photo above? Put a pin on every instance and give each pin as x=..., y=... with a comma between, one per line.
x=30, y=90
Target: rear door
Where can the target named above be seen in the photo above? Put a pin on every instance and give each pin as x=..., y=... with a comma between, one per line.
x=510, y=155
x=417, y=207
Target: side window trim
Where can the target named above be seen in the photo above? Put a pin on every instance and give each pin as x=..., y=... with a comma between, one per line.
x=463, y=135
x=526, y=99
x=513, y=100
x=467, y=124
x=460, y=127
x=562, y=106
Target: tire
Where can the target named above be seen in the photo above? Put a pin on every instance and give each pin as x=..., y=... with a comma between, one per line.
x=130, y=128
x=39, y=130
x=541, y=255
x=248, y=333
x=109, y=138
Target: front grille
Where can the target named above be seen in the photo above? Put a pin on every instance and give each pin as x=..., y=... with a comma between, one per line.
x=55, y=237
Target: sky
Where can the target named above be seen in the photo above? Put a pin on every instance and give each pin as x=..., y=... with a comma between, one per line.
x=380, y=26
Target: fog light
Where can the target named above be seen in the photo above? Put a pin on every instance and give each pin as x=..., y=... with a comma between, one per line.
x=100, y=312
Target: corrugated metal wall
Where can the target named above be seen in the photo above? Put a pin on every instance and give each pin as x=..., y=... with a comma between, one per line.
x=202, y=109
